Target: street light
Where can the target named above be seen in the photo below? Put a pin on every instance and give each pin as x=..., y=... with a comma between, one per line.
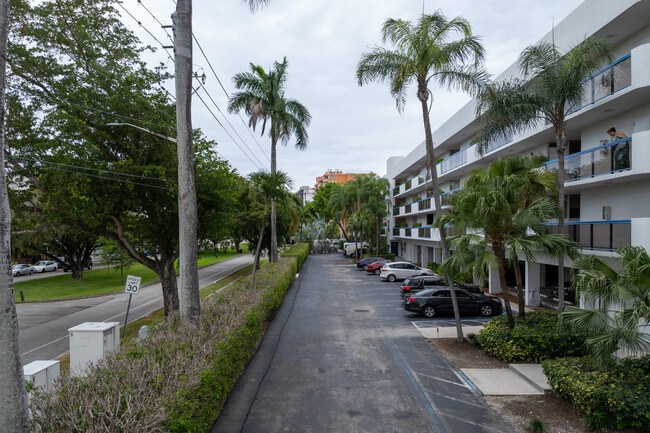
x=172, y=139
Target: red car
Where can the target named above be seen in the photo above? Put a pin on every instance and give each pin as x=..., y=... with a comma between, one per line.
x=375, y=268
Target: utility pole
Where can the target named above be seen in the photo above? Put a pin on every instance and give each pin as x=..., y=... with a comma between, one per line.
x=190, y=304
x=14, y=417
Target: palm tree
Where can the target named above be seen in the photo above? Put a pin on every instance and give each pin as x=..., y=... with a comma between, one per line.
x=262, y=98
x=377, y=203
x=424, y=53
x=492, y=203
x=267, y=188
x=626, y=290
x=552, y=87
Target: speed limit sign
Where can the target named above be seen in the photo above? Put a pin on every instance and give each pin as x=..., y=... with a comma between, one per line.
x=132, y=284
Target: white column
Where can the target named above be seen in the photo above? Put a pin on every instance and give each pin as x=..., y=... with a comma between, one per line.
x=494, y=280
x=533, y=278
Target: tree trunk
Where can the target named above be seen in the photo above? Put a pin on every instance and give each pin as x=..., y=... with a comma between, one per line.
x=500, y=253
x=256, y=264
x=423, y=95
x=237, y=247
x=377, y=238
x=273, y=254
x=167, y=274
x=14, y=417
x=300, y=235
x=560, y=138
x=77, y=273
x=347, y=238
x=190, y=302
x=521, y=301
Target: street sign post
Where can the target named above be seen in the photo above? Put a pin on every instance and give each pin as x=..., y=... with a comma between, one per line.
x=132, y=287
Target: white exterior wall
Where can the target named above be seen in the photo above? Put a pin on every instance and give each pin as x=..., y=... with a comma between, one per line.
x=626, y=23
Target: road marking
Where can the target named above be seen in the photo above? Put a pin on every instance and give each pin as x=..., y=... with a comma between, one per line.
x=473, y=423
x=461, y=384
x=46, y=344
x=457, y=399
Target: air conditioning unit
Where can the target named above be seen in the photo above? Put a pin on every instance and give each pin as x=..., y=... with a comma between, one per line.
x=607, y=213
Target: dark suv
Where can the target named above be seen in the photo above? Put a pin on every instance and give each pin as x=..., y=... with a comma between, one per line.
x=433, y=302
x=88, y=265
x=415, y=284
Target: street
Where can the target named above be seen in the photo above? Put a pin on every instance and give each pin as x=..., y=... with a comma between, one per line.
x=342, y=355
x=43, y=326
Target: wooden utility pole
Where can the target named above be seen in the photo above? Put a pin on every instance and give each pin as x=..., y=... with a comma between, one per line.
x=190, y=305
x=13, y=398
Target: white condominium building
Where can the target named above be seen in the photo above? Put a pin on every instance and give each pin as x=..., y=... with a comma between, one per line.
x=608, y=183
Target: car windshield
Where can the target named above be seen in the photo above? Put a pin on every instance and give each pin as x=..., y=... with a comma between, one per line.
x=40, y=264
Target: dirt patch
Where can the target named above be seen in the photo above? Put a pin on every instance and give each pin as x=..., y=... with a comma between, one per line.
x=464, y=355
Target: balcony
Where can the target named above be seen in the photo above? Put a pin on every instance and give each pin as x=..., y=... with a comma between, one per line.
x=597, y=235
x=606, y=82
x=498, y=142
x=424, y=204
x=456, y=160
x=407, y=232
x=605, y=159
x=396, y=210
x=396, y=231
x=407, y=208
x=424, y=232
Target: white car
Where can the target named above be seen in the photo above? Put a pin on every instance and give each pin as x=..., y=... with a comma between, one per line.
x=22, y=270
x=401, y=270
x=45, y=266
x=350, y=248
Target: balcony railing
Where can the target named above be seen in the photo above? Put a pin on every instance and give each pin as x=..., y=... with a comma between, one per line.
x=456, y=160
x=396, y=210
x=445, y=196
x=607, y=158
x=396, y=231
x=407, y=208
x=407, y=232
x=608, y=81
x=424, y=204
x=407, y=184
x=424, y=232
x=497, y=142
x=597, y=235
x=396, y=190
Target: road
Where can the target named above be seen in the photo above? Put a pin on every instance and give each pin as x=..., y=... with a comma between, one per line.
x=342, y=355
x=43, y=326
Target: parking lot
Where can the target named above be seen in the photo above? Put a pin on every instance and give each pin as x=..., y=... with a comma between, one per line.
x=342, y=355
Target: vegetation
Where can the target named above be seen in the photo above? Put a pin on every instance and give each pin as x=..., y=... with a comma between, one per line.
x=613, y=395
x=536, y=339
x=620, y=301
x=262, y=98
x=424, y=53
x=536, y=425
x=552, y=87
x=507, y=202
x=193, y=365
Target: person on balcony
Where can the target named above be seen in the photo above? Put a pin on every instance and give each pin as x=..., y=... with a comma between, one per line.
x=620, y=151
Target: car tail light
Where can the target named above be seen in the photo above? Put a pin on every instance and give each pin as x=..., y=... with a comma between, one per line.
x=406, y=287
x=411, y=299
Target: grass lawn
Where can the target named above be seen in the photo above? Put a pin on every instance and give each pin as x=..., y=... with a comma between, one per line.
x=95, y=282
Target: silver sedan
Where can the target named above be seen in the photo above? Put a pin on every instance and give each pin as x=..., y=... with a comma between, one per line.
x=45, y=266
x=22, y=270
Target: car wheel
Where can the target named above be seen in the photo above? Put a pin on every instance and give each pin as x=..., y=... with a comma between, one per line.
x=90, y=267
x=16, y=274
x=31, y=271
x=423, y=275
x=486, y=310
x=377, y=271
x=391, y=278
x=429, y=311
x=43, y=271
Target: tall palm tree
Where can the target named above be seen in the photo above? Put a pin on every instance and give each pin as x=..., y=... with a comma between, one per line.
x=626, y=290
x=493, y=204
x=551, y=88
x=424, y=53
x=262, y=97
x=267, y=188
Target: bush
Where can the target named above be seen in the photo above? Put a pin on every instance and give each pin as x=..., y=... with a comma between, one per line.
x=192, y=366
x=616, y=395
x=538, y=338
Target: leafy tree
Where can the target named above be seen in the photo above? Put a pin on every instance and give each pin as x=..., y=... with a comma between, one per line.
x=552, y=88
x=425, y=52
x=497, y=203
x=262, y=97
x=322, y=208
x=112, y=254
x=621, y=298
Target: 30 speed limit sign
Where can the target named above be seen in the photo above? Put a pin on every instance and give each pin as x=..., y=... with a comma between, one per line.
x=132, y=284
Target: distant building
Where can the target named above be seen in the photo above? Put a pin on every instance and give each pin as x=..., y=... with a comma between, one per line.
x=336, y=176
x=306, y=194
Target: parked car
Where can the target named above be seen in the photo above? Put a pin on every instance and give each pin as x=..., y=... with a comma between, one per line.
x=363, y=262
x=350, y=248
x=22, y=270
x=569, y=292
x=414, y=285
x=88, y=265
x=375, y=267
x=434, y=302
x=402, y=270
x=45, y=266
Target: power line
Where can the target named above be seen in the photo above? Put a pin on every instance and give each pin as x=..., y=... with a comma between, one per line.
x=226, y=119
x=227, y=95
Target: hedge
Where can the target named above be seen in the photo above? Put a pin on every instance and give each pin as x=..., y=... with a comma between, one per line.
x=192, y=367
x=537, y=339
x=616, y=395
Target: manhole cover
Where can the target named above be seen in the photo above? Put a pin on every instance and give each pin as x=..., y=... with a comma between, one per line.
x=362, y=311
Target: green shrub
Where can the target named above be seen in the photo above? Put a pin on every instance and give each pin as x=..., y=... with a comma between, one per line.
x=538, y=338
x=536, y=425
x=616, y=395
x=193, y=366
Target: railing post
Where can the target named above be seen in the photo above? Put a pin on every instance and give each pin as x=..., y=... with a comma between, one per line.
x=611, y=237
x=591, y=236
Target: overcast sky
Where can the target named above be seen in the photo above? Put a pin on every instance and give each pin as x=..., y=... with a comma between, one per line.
x=353, y=128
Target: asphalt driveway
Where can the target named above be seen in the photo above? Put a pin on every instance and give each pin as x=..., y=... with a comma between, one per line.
x=342, y=355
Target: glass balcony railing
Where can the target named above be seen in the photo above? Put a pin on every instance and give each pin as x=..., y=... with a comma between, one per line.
x=407, y=184
x=607, y=158
x=445, y=196
x=424, y=204
x=456, y=160
x=407, y=208
x=498, y=142
x=396, y=190
x=407, y=232
x=597, y=235
x=608, y=81
x=424, y=232
x=396, y=210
